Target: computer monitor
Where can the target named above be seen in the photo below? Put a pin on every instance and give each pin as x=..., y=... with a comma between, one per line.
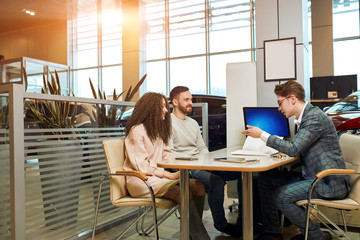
x=268, y=119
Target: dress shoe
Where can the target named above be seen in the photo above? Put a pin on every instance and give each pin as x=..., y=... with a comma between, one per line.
x=231, y=229
x=258, y=227
x=269, y=236
x=327, y=236
x=298, y=237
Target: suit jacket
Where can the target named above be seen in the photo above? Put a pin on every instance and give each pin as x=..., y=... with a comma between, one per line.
x=317, y=145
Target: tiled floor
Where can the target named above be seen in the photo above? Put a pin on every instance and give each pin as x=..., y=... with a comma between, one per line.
x=170, y=229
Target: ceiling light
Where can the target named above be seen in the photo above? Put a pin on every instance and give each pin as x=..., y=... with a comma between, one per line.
x=29, y=12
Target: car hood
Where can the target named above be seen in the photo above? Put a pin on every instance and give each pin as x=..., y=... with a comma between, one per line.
x=345, y=120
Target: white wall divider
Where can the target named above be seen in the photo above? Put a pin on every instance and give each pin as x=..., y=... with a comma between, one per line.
x=241, y=91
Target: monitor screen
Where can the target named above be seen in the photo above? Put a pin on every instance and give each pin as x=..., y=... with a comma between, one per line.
x=268, y=119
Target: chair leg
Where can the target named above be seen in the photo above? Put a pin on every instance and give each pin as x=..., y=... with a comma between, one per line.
x=137, y=223
x=282, y=219
x=154, y=211
x=155, y=222
x=166, y=215
x=133, y=223
x=177, y=213
x=308, y=210
x=143, y=232
x=331, y=222
x=161, y=219
x=97, y=207
x=343, y=218
x=325, y=224
x=140, y=215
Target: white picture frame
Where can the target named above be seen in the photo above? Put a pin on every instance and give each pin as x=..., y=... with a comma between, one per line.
x=280, y=59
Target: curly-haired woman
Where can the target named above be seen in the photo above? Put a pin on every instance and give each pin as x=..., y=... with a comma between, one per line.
x=147, y=134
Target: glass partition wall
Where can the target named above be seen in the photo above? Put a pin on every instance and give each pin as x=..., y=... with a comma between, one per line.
x=5, y=228
x=57, y=143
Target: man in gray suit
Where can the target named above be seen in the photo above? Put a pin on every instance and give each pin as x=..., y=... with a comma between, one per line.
x=317, y=146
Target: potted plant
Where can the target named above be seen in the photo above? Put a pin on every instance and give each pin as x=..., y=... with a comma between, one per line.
x=4, y=165
x=104, y=116
x=111, y=116
x=55, y=159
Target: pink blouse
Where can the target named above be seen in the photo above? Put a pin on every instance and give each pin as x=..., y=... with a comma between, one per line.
x=143, y=154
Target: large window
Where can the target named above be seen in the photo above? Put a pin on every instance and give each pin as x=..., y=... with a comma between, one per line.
x=188, y=42
x=189, y=72
x=186, y=27
x=346, y=35
x=156, y=76
x=191, y=41
x=345, y=18
x=346, y=32
x=229, y=25
x=95, y=50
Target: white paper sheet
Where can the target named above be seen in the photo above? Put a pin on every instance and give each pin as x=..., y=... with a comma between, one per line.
x=255, y=146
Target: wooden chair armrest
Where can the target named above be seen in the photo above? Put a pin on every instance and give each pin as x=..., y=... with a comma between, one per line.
x=326, y=172
x=133, y=173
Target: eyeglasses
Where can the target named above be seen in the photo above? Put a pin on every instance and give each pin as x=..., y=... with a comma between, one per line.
x=281, y=101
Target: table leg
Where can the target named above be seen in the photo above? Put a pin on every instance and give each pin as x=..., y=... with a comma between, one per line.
x=184, y=204
x=247, y=206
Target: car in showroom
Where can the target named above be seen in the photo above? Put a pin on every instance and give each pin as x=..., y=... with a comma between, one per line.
x=216, y=118
x=345, y=114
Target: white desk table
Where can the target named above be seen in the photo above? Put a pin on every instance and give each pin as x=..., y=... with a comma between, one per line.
x=206, y=162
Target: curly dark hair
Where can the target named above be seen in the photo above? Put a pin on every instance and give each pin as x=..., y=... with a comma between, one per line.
x=148, y=111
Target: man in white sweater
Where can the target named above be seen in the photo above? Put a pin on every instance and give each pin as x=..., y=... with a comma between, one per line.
x=186, y=140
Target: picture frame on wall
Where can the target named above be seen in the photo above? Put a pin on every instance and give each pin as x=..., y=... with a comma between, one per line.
x=280, y=59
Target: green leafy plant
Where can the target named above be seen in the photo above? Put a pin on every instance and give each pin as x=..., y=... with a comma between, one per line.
x=110, y=116
x=50, y=114
x=4, y=116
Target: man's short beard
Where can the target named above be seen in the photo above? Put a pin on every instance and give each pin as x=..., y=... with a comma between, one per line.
x=184, y=110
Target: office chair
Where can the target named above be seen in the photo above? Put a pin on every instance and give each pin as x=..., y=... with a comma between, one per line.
x=351, y=151
x=114, y=150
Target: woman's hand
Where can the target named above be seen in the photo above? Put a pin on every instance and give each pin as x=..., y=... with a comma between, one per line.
x=172, y=175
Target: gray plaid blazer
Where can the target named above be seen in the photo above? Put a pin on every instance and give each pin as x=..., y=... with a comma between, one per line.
x=318, y=147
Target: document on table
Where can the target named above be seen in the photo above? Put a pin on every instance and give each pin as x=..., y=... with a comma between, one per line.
x=256, y=147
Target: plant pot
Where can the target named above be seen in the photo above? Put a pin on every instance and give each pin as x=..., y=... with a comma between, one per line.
x=60, y=184
x=5, y=191
x=92, y=166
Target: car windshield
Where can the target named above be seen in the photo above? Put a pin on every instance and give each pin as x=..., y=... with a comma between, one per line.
x=350, y=103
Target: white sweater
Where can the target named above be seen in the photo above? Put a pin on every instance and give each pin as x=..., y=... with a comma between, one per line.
x=186, y=137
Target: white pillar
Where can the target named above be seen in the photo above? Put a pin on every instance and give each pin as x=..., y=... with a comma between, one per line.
x=278, y=19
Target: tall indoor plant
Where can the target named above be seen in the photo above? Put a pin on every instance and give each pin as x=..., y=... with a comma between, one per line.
x=111, y=116
x=106, y=116
x=55, y=164
x=50, y=114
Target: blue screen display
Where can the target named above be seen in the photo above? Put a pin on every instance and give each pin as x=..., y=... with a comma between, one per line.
x=268, y=119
